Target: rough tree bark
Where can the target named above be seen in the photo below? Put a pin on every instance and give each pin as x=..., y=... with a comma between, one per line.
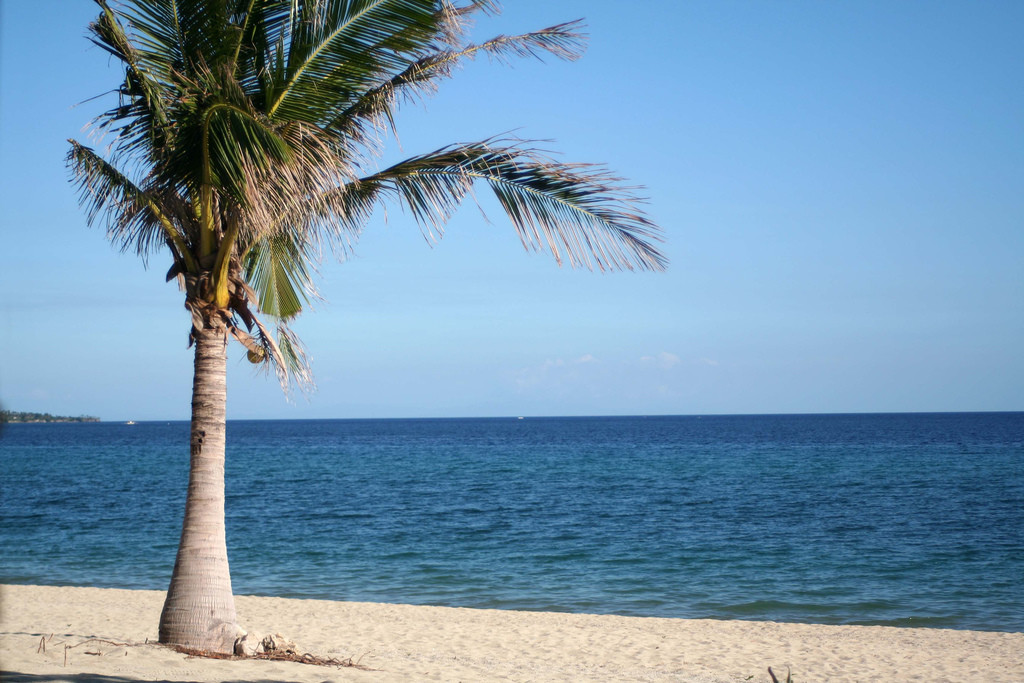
x=199, y=611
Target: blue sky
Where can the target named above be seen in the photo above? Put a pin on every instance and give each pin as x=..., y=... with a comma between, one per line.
x=841, y=186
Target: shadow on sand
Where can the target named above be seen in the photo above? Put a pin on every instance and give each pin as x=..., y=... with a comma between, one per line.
x=18, y=677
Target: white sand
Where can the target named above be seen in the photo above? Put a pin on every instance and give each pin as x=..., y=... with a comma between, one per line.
x=407, y=643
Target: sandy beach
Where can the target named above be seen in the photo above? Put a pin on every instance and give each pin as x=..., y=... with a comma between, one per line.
x=93, y=635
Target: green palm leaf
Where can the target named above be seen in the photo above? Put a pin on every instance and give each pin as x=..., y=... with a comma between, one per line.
x=420, y=77
x=278, y=270
x=339, y=50
x=136, y=219
x=180, y=36
x=143, y=107
x=577, y=211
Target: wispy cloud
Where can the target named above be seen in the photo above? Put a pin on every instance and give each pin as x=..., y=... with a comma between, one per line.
x=617, y=383
x=538, y=374
x=554, y=371
x=664, y=360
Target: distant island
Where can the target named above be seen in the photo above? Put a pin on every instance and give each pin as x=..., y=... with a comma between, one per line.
x=14, y=416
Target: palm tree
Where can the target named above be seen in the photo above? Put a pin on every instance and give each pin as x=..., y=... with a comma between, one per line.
x=244, y=141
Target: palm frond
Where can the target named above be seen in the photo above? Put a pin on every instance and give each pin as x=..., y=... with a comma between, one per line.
x=286, y=354
x=261, y=23
x=278, y=270
x=420, y=78
x=133, y=215
x=142, y=110
x=333, y=216
x=491, y=7
x=290, y=189
x=564, y=41
x=579, y=212
x=338, y=50
x=240, y=149
x=180, y=36
x=296, y=360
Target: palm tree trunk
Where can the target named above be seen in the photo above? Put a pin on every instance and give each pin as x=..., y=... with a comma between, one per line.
x=199, y=612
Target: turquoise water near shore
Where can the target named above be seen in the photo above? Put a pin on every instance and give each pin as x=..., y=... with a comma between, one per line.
x=900, y=519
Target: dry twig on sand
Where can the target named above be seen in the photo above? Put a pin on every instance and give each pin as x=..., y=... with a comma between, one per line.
x=276, y=656
x=67, y=647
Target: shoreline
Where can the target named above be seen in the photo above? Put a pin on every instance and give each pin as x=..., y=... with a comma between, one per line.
x=404, y=642
x=928, y=623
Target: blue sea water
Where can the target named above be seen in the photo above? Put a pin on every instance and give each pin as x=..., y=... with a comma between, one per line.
x=898, y=519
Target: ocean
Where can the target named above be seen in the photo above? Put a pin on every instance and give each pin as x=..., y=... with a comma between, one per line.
x=894, y=519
